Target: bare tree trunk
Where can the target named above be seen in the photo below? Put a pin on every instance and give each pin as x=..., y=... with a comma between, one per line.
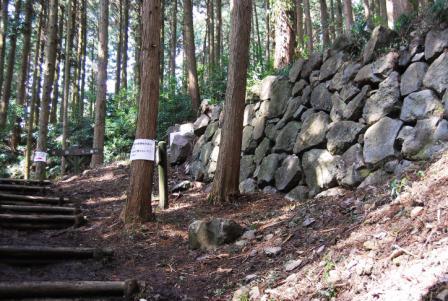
x=162, y=42
x=299, y=25
x=54, y=101
x=218, y=33
x=100, y=105
x=119, y=48
x=173, y=46
x=138, y=43
x=332, y=21
x=268, y=31
x=83, y=57
x=7, y=85
x=308, y=26
x=324, y=20
x=3, y=33
x=339, y=25
x=395, y=9
x=50, y=61
x=193, y=86
x=138, y=207
x=226, y=181
x=67, y=69
x=368, y=14
x=257, y=32
x=284, y=39
x=383, y=12
x=124, y=68
x=348, y=15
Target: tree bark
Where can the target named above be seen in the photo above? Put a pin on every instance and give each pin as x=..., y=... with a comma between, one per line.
x=83, y=57
x=383, y=12
x=173, y=46
x=55, y=98
x=7, y=85
x=268, y=31
x=193, y=86
x=218, y=32
x=50, y=61
x=226, y=181
x=3, y=30
x=348, y=15
x=100, y=105
x=119, y=48
x=138, y=207
x=284, y=39
x=124, y=62
x=299, y=25
x=308, y=26
x=395, y=9
x=368, y=14
x=324, y=21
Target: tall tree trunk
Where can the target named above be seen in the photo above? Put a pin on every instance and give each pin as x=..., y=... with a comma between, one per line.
x=7, y=85
x=125, y=28
x=67, y=69
x=138, y=207
x=339, y=25
x=162, y=42
x=100, y=105
x=324, y=20
x=34, y=93
x=3, y=33
x=284, y=39
x=83, y=57
x=268, y=31
x=24, y=68
x=77, y=70
x=55, y=98
x=299, y=25
x=218, y=33
x=193, y=86
x=50, y=61
x=395, y=9
x=173, y=46
x=119, y=47
x=332, y=21
x=257, y=33
x=226, y=181
x=138, y=43
x=383, y=12
x=368, y=14
x=308, y=26
x=348, y=15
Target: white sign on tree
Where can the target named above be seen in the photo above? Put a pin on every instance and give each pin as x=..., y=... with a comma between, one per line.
x=143, y=149
x=40, y=156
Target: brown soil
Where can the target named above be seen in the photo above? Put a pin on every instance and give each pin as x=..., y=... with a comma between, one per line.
x=352, y=230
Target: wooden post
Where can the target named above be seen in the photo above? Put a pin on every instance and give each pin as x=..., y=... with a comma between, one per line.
x=163, y=175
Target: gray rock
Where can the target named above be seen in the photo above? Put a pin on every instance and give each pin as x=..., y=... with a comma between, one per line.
x=418, y=57
x=248, y=235
x=288, y=174
x=436, y=40
x=196, y=170
x=279, y=95
x=266, y=87
x=210, y=170
x=181, y=148
x=249, y=114
x=405, y=58
x=299, y=193
x=206, y=153
x=269, y=189
x=211, y=130
x=378, y=70
x=216, y=140
x=201, y=124
x=351, y=110
x=314, y=78
x=321, y=98
x=331, y=65
x=182, y=186
x=375, y=178
x=247, y=139
x=286, y=137
x=296, y=68
x=344, y=75
x=267, y=170
x=298, y=87
x=352, y=167
x=262, y=150
x=247, y=167
x=216, y=111
x=379, y=140
x=292, y=111
x=248, y=186
x=341, y=135
x=313, y=132
x=258, y=124
x=270, y=131
x=385, y=101
x=213, y=233
x=272, y=251
x=437, y=76
x=418, y=142
x=412, y=78
x=441, y=133
x=215, y=154
x=381, y=37
x=198, y=147
x=320, y=169
x=332, y=192
x=292, y=265
x=313, y=63
x=420, y=105
x=348, y=92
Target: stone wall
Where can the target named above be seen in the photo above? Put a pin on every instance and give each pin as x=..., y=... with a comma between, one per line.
x=335, y=122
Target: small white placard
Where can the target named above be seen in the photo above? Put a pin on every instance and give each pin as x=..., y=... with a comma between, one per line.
x=143, y=149
x=40, y=156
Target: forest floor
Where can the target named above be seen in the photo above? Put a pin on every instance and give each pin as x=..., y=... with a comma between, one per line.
x=347, y=245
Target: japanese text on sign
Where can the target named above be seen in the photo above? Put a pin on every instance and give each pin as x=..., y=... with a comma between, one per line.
x=143, y=149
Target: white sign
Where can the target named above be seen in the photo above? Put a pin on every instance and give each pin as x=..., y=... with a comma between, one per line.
x=40, y=156
x=143, y=149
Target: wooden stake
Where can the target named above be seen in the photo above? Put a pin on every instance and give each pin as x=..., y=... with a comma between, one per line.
x=40, y=209
x=163, y=175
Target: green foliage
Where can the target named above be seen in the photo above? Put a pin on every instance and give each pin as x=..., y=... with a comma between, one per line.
x=397, y=186
x=439, y=10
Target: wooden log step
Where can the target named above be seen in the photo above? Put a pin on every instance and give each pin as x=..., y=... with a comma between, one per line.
x=61, y=289
x=24, y=188
x=40, y=209
x=48, y=254
x=33, y=199
x=6, y=219
x=25, y=182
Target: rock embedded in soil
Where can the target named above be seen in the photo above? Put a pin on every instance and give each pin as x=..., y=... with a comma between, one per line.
x=272, y=251
x=209, y=234
x=292, y=265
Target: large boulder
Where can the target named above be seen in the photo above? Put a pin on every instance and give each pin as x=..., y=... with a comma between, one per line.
x=344, y=75
x=293, y=111
x=198, y=147
x=248, y=186
x=385, y=101
x=296, y=68
x=436, y=40
x=298, y=87
x=412, y=78
x=299, y=193
x=420, y=105
x=313, y=63
x=262, y=150
x=321, y=98
x=320, y=169
x=381, y=37
x=348, y=92
x=247, y=140
x=331, y=65
x=378, y=70
x=247, y=167
x=258, y=123
x=266, y=172
x=287, y=137
x=201, y=124
x=249, y=114
x=379, y=140
x=313, y=132
x=276, y=103
x=352, y=167
x=206, y=152
x=197, y=170
x=288, y=174
x=211, y=130
x=351, y=110
x=266, y=87
x=209, y=234
x=181, y=148
x=341, y=135
x=437, y=75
